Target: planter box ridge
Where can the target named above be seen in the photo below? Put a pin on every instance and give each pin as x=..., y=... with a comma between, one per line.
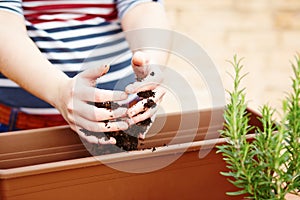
x=53, y=163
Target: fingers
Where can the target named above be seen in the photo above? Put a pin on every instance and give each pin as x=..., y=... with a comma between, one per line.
x=140, y=65
x=95, y=119
x=92, y=113
x=85, y=118
x=94, y=72
x=148, y=113
x=144, y=110
x=100, y=126
x=150, y=82
x=85, y=89
x=148, y=103
x=149, y=78
x=92, y=94
x=93, y=139
x=99, y=120
x=143, y=135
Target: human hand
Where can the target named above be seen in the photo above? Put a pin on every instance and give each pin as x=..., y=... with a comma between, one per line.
x=75, y=103
x=149, y=78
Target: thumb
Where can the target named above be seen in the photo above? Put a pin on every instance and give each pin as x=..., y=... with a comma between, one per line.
x=95, y=72
x=140, y=64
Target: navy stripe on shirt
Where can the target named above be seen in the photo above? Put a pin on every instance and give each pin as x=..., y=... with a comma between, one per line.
x=11, y=9
x=17, y=97
x=86, y=48
x=89, y=59
x=113, y=68
x=62, y=29
x=77, y=38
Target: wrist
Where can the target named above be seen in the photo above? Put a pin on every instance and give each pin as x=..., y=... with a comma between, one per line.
x=60, y=91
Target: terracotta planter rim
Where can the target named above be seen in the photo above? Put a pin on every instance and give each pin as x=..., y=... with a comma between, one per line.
x=110, y=158
x=53, y=163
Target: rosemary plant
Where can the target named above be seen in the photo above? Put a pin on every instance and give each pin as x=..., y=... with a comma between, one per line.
x=293, y=129
x=269, y=166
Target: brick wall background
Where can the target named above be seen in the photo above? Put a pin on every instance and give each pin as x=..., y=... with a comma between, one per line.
x=266, y=33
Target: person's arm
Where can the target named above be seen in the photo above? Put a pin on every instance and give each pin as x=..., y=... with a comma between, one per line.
x=147, y=16
x=144, y=20
x=22, y=62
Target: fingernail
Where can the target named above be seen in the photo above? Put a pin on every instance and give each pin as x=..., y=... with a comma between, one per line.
x=120, y=112
x=92, y=139
x=106, y=68
x=123, y=126
x=102, y=140
x=124, y=110
x=112, y=140
x=129, y=89
x=130, y=121
x=138, y=59
x=142, y=136
x=123, y=95
x=130, y=113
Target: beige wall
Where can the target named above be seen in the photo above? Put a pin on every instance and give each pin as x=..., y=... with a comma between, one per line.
x=265, y=32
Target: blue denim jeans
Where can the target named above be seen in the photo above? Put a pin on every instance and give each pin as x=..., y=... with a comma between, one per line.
x=3, y=128
x=12, y=119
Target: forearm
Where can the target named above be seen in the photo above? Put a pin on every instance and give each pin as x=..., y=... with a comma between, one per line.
x=22, y=62
x=146, y=16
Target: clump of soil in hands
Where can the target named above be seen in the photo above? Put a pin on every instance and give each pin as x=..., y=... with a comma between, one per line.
x=108, y=105
x=125, y=140
x=141, y=127
x=146, y=94
x=149, y=104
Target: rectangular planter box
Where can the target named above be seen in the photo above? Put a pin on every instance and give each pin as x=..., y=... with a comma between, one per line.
x=52, y=163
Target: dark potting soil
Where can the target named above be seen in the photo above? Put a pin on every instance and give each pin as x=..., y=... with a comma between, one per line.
x=146, y=94
x=126, y=140
x=108, y=104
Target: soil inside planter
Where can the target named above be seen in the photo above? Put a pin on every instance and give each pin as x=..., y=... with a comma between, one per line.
x=126, y=140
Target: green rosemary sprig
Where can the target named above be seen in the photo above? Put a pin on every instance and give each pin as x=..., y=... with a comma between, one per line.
x=237, y=153
x=270, y=158
x=293, y=128
x=269, y=166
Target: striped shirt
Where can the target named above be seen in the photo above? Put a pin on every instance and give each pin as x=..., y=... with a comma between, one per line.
x=73, y=35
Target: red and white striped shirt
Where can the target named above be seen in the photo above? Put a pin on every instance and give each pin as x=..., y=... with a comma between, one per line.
x=73, y=35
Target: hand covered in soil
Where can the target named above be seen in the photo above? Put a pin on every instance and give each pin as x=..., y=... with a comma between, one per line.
x=76, y=107
x=149, y=78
